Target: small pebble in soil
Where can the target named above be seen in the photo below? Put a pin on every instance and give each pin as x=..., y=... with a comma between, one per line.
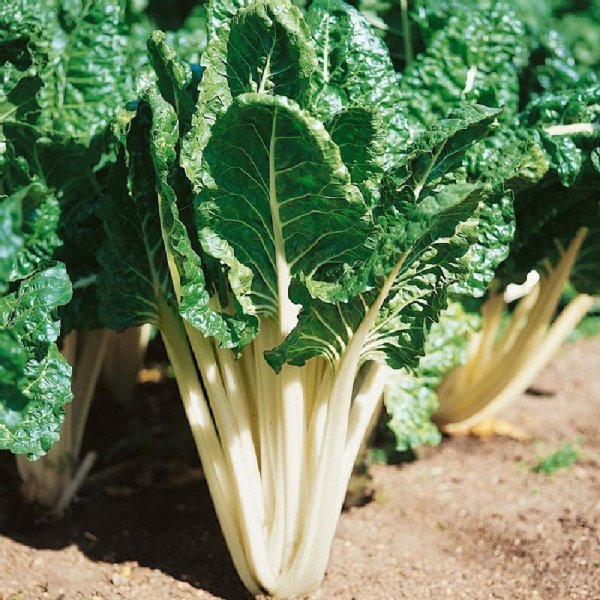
x=118, y=579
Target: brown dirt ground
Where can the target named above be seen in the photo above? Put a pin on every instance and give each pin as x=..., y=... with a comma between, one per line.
x=468, y=520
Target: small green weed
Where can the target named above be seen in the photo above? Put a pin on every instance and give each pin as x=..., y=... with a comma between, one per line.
x=561, y=459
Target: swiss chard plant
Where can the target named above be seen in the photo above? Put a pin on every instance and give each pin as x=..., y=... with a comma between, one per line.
x=557, y=236
x=292, y=245
x=544, y=158
x=67, y=67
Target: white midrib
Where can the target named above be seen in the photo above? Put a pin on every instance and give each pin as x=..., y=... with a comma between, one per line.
x=288, y=311
x=419, y=187
x=267, y=71
x=326, y=53
x=290, y=394
x=573, y=129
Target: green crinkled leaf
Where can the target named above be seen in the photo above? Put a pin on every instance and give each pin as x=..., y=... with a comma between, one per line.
x=195, y=306
x=357, y=132
x=34, y=378
x=39, y=229
x=566, y=157
x=29, y=313
x=278, y=193
x=173, y=78
x=495, y=231
x=12, y=366
x=354, y=69
x=567, y=154
x=511, y=161
x=505, y=162
x=475, y=57
x=440, y=150
x=410, y=398
x=135, y=275
x=18, y=82
x=549, y=214
x=435, y=261
x=37, y=207
x=144, y=221
x=426, y=229
x=74, y=62
x=429, y=249
x=31, y=424
x=57, y=177
x=570, y=106
x=83, y=74
x=264, y=49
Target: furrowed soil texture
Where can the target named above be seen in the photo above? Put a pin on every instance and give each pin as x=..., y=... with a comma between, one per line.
x=469, y=519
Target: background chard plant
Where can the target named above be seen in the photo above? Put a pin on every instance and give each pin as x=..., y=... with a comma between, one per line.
x=543, y=216
x=66, y=70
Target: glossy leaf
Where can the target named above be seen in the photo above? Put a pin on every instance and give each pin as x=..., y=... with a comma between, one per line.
x=426, y=230
x=264, y=49
x=280, y=196
x=135, y=275
x=354, y=69
x=34, y=377
x=475, y=57
x=410, y=399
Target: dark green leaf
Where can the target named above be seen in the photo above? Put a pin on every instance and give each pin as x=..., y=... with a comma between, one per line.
x=354, y=69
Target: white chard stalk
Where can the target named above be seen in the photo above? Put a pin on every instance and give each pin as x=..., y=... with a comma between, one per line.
x=53, y=480
x=277, y=448
x=46, y=480
x=123, y=360
x=502, y=365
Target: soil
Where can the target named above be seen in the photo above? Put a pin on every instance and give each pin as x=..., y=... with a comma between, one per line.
x=469, y=519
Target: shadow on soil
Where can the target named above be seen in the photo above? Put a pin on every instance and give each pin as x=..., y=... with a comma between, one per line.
x=174, y=531
x=144, y=501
